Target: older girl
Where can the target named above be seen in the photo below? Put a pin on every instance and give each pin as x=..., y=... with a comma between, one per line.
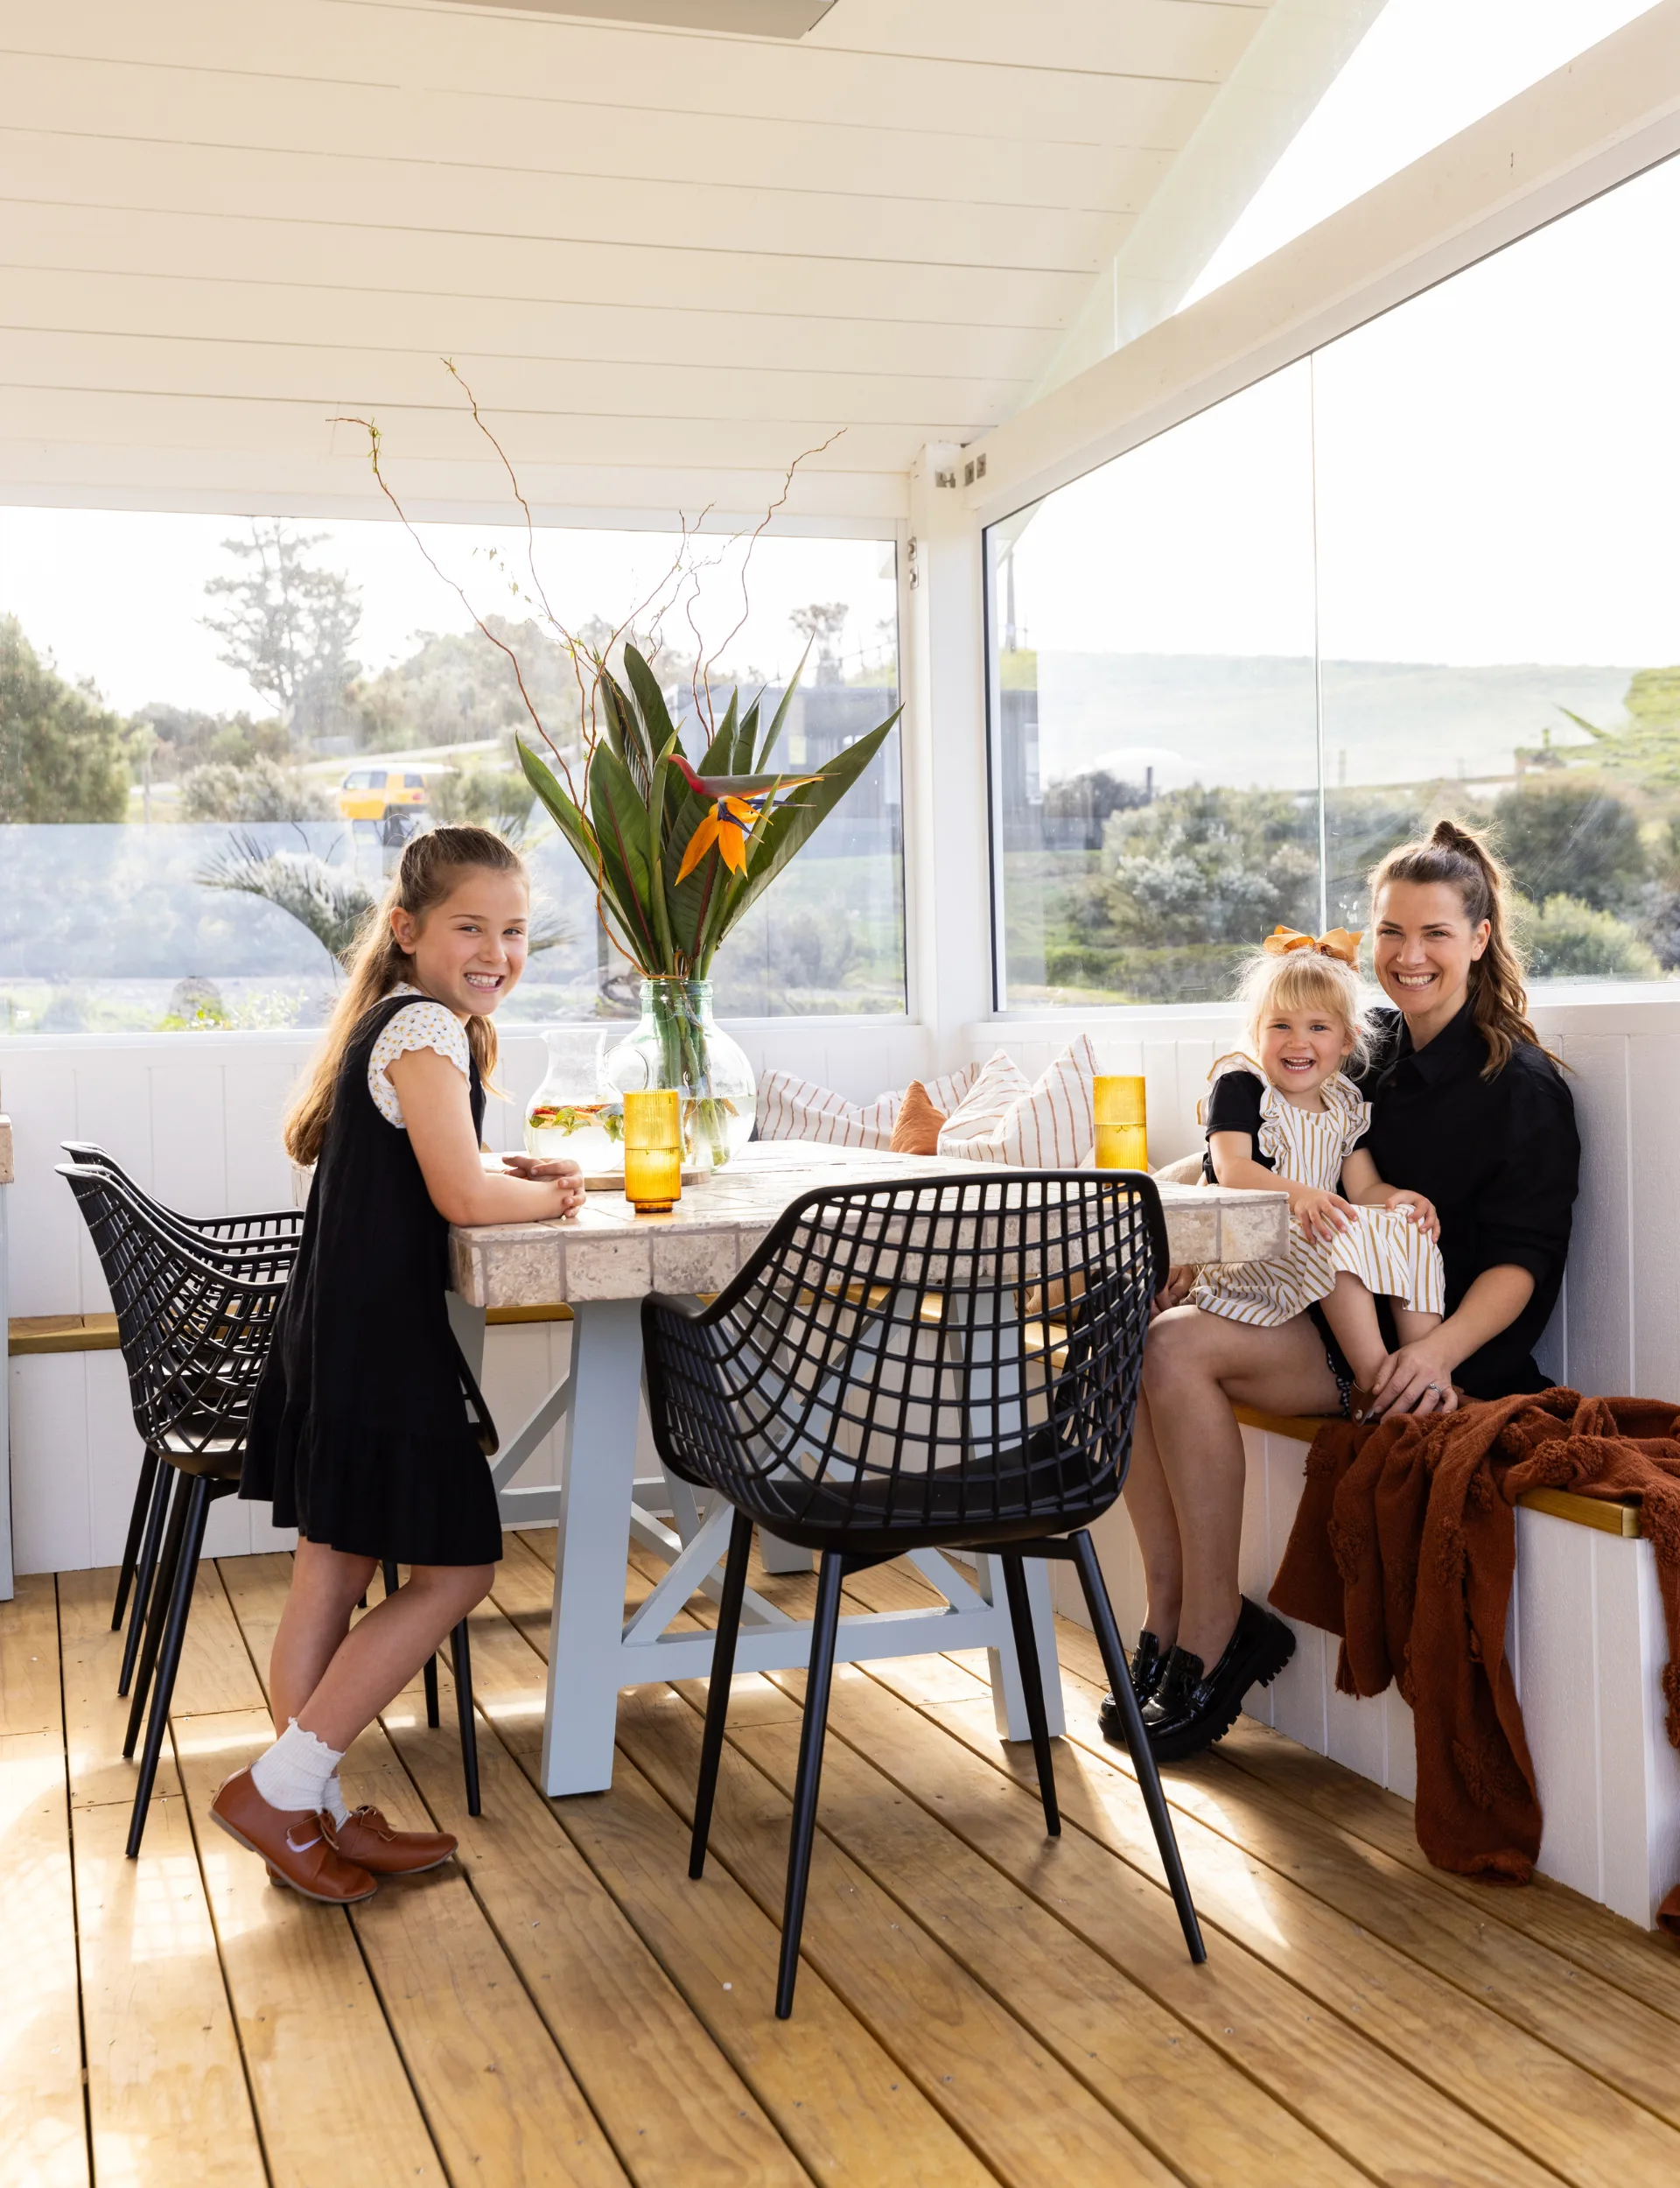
x=368, y=1434
x=1467, y=1108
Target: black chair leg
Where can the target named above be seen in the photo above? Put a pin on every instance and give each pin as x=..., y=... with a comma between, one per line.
x=137, y=1518
x=1143, y=1761
x=162, y=1583
x=461, y=1658
x=146, y=1572
x=196, y=1506
x=812, y=1733
x=723, y=1668
x=1026, y=1656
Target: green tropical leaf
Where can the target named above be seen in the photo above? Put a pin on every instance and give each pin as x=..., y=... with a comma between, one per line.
x=621, y=829
x=797, y=819
x=721, y=750
x=781, y=715
x=655, y=717
x=561, y=808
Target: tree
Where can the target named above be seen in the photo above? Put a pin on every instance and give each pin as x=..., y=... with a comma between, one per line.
x=820, y=625
x=257, y=791
x=1571, y=836
x=62, y=753
x=458, y=688
x=1204, y=865
x=289, y=628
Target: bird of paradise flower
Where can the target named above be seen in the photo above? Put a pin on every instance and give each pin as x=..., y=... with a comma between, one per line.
x=737, y=804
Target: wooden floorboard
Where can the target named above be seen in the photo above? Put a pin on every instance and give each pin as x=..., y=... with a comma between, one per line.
x=43, y=2121
x=976, y=2002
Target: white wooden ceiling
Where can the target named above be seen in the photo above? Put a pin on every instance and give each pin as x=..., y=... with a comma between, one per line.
x=668, y=260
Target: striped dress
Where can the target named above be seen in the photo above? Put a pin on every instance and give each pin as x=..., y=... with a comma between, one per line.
x=1389, y=1254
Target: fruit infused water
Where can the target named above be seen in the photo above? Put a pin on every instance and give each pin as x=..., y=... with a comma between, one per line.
x=574, y=1113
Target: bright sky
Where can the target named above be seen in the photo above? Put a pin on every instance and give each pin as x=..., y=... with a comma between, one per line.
x=117, y=596
x=1423, y=71
x=1497, y=461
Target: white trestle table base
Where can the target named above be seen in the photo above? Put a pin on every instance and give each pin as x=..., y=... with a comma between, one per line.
x=602, y=1263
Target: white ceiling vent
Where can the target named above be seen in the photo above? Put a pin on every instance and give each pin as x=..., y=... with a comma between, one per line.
x=758, y=19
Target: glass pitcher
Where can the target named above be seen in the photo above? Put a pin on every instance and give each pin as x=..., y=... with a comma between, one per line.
x=574, y=1112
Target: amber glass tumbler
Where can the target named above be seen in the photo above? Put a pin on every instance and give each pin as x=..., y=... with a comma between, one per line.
x=1121, y=1123
x=653, y=1150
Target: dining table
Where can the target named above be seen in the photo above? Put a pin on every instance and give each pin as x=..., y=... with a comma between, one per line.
x=600, y=1264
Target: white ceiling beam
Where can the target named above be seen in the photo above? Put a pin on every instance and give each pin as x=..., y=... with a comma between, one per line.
x=1612, y=112
x=1289, y=64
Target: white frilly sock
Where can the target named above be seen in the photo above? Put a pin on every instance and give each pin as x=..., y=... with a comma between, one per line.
x=295, y=1772
x=333, y=1801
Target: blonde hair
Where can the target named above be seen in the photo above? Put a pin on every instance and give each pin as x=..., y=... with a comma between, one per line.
x=428, y=872
x=1468, y=863
x=1304, y=981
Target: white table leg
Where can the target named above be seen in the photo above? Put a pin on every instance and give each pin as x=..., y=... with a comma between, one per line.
x=586, y=1658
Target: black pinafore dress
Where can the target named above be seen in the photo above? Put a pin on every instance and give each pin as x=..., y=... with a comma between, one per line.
x=367, y=1432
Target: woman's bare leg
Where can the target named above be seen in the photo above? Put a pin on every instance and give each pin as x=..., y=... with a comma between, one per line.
x=335, y=1680
x=1195, y=1367
x=1149, y=1507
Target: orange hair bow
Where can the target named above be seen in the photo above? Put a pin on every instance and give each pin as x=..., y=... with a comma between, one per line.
x=1338, y=942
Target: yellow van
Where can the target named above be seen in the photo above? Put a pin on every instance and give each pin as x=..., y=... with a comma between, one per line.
x=371, y=793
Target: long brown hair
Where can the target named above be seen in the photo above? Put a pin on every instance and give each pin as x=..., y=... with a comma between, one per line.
x=430, y=866
x=1469, y=863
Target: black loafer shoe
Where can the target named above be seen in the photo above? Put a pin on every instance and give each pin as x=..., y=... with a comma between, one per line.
x=1192, y=1707
x=1148, y=1662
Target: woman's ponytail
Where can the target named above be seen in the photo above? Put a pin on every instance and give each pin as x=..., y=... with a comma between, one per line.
x=1468, y=863
x=427, y=872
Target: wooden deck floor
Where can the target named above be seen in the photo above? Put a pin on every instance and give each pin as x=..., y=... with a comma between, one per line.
x=976, y=2005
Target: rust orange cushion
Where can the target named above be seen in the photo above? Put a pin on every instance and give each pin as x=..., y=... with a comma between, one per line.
x=918, y=1124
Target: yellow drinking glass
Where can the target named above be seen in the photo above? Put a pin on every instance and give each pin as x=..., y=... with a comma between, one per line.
x=653, y=1150
x=1121, y=1123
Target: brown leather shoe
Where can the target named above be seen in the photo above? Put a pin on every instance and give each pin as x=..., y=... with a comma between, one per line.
x=292, y=1841
x=365, y=1838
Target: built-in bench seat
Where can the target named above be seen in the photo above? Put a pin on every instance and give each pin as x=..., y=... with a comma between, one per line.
x=1587, y=1644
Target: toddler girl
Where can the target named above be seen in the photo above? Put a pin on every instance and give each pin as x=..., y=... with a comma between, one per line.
x=1285, y=1114
x=368, y=1433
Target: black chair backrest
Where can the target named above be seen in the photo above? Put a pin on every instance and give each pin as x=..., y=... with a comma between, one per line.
x=194, y=1332
x=274, y=1227
x=939, y=1355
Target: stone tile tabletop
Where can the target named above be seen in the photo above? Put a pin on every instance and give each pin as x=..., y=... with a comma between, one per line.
x=607, y=1250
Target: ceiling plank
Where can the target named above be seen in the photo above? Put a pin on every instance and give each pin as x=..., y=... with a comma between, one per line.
x=696, y=216
x=281, y=249
x=516, y=137
x=96, y=298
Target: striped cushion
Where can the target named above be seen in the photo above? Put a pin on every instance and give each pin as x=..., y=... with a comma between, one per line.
x=1051, y=1125
x=797, y=1109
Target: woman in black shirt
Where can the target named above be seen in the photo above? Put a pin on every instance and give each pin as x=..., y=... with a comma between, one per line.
x=1468, y=1110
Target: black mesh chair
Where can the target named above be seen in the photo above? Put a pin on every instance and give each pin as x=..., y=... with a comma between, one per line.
x=948, y=1363
x=269, y=1241
x=195, y=1333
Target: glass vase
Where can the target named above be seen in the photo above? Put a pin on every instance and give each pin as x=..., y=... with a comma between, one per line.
x=679, y=1044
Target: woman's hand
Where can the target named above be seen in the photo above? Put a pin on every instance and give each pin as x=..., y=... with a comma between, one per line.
x=1421, y=1211
x=1174, y=1291
x=1417, y=1379
x=1320, y=1214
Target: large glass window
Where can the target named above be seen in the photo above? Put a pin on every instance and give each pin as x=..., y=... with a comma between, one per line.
x=1429, y=571
x=215, y=736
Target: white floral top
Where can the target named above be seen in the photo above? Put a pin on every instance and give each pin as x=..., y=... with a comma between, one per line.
x=424, y=1025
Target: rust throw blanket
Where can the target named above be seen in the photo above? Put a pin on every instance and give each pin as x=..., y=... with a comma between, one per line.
x=1405, y=1545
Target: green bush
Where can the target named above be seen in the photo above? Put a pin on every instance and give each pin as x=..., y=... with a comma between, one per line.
x=256, y=791
x=62, y=754
x=1564, y=939
x=1571, y=837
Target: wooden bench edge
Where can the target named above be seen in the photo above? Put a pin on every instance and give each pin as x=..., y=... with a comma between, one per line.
x=1608, y=1517
x=28, y=1336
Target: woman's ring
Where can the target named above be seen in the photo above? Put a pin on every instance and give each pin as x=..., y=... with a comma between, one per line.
x=1436, y=1387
